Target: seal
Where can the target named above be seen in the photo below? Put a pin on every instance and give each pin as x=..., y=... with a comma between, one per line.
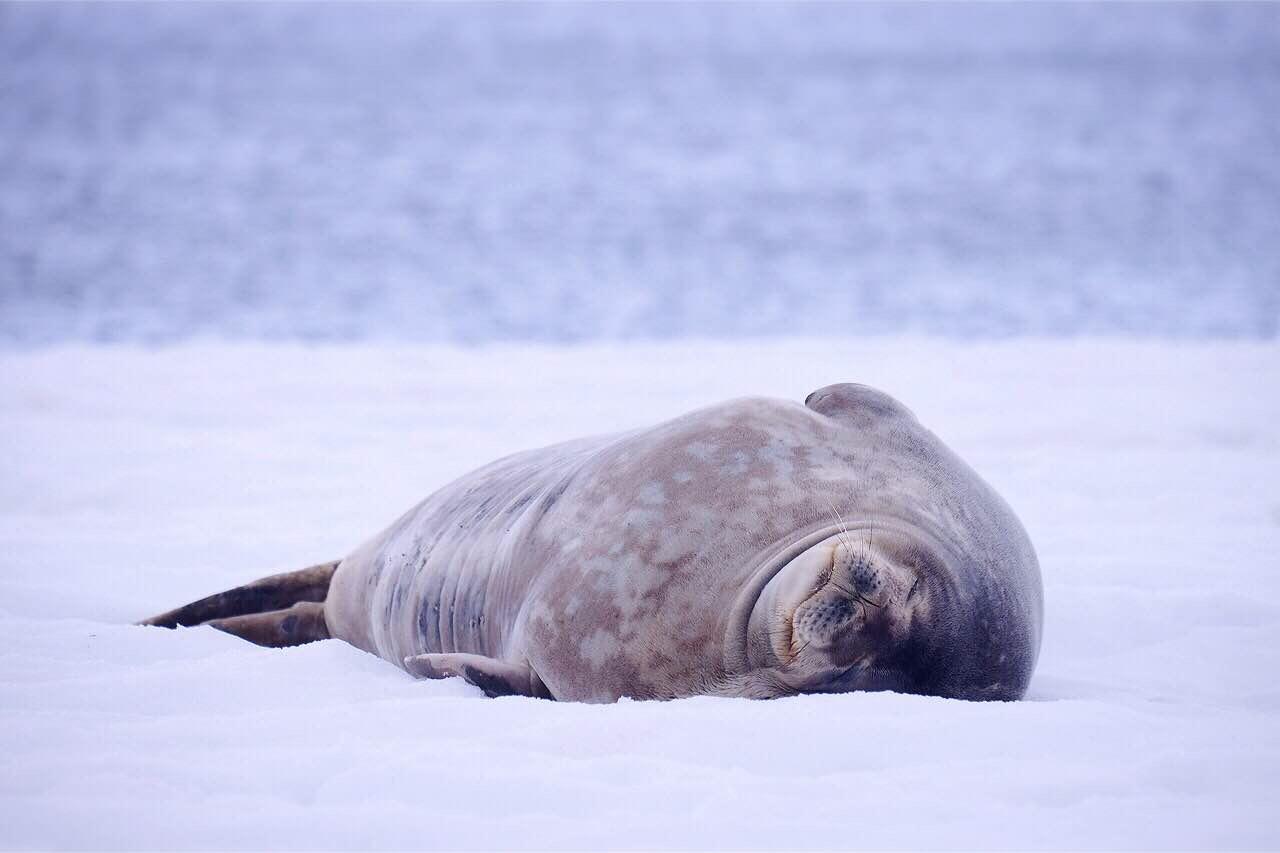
x=756, y=548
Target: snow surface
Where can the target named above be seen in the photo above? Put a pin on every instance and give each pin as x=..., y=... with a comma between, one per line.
x=569, y=171
x=131, y=480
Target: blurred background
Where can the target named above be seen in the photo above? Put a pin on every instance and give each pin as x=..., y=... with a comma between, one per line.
x=567, y=172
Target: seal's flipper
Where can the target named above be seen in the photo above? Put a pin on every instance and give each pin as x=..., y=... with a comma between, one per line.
x=494, y=677
x=301, y=623
x=276, y=592
x=857, y=405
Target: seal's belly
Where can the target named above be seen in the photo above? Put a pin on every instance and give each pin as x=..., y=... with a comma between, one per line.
x=451, y=574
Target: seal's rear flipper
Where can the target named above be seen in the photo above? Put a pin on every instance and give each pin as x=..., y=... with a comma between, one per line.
x=494, y=677
x=276, y=592
x=301, y=623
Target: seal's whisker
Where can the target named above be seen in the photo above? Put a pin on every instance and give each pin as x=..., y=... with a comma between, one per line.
x=843, y=532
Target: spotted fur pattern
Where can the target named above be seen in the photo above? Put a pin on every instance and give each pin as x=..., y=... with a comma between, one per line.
x=612, y=565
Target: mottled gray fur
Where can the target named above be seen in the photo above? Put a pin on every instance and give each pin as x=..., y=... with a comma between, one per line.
x=756, y=547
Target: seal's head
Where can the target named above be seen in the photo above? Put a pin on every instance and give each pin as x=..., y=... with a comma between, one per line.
x=883, y=608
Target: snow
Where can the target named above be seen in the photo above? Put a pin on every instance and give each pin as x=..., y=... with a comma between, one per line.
x=133, y=479
x=571, y=172
x=381, y=245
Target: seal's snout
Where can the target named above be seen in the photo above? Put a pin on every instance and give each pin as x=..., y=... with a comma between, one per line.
x=867, y=619
x=822, y=619
x=853, y=607
x=892, y=608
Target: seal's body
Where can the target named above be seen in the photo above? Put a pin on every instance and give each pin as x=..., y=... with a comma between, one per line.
x=755, y=548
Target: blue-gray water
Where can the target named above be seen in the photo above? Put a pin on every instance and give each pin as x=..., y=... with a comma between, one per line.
x=566, y=172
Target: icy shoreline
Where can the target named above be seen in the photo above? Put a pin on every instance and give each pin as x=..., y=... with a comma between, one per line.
x=1147, y=474
x=568, y=172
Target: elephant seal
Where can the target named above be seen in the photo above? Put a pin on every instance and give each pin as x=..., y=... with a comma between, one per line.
x=754, y=548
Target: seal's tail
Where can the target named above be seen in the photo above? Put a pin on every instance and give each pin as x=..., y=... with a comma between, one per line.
x=280, y=610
